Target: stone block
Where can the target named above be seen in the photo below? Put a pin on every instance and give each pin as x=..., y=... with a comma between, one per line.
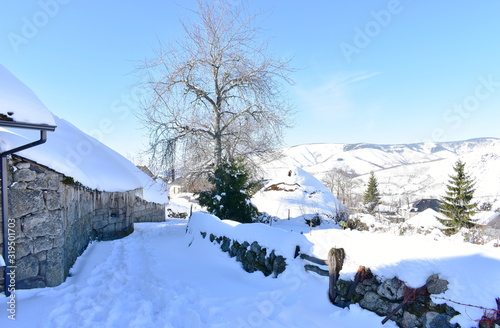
x=373, y=302
x=54, y=183
x=42, y=256
x=25, y=175
x=27, y=267
x=22, y=250
x=41, y=183
x=436, y=285
x=392, y=289
x=37, y=169
x=436, y=320
x=52, y=200
x=99, y=224
x=58, y=241
x=41, y=244
x=23, y=165
x=24, y=202
x=55, y=271
x=109, y=230
x=32, y=282
x=409, y=321
x=42, y=224
x=18, y=185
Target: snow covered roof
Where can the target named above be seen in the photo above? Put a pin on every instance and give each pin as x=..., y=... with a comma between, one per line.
x=427, y=219
x=494, y=221
x=18, y=103
x=424, y=204
x=74, y=153
x=68, y=150
x=296, y=191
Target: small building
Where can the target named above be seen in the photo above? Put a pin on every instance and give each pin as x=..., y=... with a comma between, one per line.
x=494, y=222
x=177, y=186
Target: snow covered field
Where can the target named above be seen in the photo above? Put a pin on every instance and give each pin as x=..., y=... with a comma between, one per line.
x=159, y=276
x=405, y=173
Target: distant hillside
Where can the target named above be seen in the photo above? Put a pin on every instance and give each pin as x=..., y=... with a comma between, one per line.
x=405, y=172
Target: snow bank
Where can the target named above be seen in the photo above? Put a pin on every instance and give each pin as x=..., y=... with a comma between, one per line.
x=283, y=242
x=427, y=219
x=296, y=191
x=473, y=271
x=19, y=103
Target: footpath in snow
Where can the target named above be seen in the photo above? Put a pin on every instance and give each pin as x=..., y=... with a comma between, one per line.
x=159, y=276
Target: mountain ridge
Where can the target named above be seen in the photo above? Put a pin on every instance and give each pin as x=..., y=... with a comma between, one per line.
x=409, y=171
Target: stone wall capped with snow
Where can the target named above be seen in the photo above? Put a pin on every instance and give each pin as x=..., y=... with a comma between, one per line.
x=256, y=246
x=56, y=218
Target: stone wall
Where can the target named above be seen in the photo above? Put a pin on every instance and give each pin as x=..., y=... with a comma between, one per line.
x=252, y=256
x=390, y=298
x=384, y=296
x=56, y=218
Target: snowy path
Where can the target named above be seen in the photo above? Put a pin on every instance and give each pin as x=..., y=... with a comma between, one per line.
x=153, y=278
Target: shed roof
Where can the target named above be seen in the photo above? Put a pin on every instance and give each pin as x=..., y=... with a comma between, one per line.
x=423, y=204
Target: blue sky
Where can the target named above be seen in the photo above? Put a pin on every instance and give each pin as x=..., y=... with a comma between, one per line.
x=368, y=71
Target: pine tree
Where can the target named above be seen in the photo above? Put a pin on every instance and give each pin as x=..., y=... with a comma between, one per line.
x=230, y=197
x=371, y=198
x=457, y=205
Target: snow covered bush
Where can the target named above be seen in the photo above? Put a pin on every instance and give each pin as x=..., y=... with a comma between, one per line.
x=230, y=197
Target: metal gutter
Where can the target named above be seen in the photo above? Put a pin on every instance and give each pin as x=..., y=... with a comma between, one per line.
x=10, y=263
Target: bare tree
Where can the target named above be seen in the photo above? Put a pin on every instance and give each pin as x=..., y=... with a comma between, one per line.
x=216, y=93
x=341, y=183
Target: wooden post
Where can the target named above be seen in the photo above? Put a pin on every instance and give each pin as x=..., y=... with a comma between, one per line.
x=335, y=261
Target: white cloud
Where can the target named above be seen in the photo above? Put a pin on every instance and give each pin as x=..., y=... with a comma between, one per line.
x=330, y=98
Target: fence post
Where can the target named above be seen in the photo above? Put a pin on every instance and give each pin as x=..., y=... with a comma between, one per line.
x=335, y=261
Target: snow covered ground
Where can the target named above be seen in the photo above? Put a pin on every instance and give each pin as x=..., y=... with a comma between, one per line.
x=159, y=276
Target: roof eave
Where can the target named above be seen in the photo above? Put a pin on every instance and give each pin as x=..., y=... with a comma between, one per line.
x=30, y=126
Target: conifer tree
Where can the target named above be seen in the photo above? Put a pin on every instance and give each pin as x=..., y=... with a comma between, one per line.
x=230, y=197
x=457, y=205
x=371, y=198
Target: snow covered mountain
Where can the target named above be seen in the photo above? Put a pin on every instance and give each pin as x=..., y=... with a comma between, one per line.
x=405, y=172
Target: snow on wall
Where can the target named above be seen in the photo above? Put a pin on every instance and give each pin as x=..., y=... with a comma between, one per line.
x=283, y=242
x=19, y=103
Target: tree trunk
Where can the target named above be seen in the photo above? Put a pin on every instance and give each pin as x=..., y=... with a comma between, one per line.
x=218, y=140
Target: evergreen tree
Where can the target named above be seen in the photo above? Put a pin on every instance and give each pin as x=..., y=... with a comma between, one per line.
x=230, y=197
x=371, y=198
x=457, y=205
